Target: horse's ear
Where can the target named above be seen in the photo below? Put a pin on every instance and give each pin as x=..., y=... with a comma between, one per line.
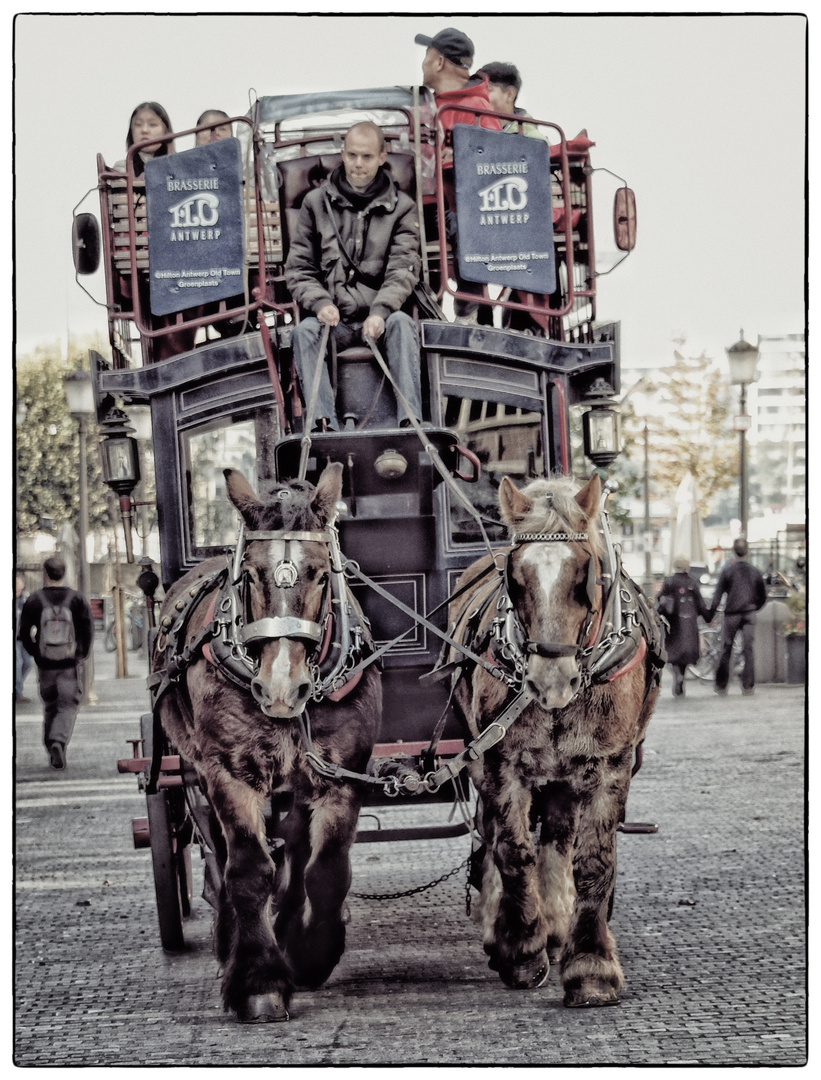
x=589, y=497
x=241, y=493
x=515, y=506
x=328, y=492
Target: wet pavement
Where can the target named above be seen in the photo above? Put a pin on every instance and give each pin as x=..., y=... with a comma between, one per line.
x=709, y=915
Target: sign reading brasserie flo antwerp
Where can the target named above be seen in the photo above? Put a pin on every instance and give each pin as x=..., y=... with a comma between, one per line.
x=195, y=237
x=503, y=210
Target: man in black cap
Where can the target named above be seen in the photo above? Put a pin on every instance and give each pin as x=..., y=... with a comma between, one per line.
x=446, y=70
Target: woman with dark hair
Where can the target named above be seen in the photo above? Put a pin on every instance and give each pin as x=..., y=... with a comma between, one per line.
x=681, y=603
x=149, y=120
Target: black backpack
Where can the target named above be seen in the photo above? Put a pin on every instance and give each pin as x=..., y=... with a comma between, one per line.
x=57, y=639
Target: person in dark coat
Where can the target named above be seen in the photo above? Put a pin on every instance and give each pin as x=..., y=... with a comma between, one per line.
x=681, y=603
x=746, y=594
x=353, y=261
x=60, y=679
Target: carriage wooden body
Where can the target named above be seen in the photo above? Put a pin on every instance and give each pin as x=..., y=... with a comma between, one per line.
x=498, y=402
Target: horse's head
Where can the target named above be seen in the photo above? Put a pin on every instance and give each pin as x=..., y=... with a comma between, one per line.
x=285, y=571
x=552, y=580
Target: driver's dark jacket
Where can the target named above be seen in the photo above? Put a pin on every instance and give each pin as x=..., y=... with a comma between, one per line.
x=382, y=239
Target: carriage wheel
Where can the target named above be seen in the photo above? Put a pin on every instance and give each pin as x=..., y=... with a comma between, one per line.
x=166, y=861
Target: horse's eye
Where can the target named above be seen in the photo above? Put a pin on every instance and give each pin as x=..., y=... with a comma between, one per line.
x=580, y=593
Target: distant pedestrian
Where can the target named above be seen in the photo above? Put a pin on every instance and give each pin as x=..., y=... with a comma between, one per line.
x=746, y=594
x=56, y=628
x=680, y=602
x=22, y=660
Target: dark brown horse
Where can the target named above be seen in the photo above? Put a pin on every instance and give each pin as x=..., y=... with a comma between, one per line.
x=553, y=790
x=237, y=721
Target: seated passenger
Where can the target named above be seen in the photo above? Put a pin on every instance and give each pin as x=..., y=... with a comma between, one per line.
x=353, y=262
x=149, y=120
x=214, y=134
x=504, y=84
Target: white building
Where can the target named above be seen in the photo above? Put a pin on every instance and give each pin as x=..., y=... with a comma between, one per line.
x=778, y=432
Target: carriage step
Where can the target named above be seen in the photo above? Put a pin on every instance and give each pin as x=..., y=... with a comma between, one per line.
x=139, y=829
x=430, y=832
x=636, y=827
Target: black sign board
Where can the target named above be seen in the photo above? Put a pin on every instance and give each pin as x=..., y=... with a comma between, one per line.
x=195, y=235
x=503, y=210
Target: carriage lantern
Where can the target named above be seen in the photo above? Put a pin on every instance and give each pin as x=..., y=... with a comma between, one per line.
x=121, y=466
x=601, y=427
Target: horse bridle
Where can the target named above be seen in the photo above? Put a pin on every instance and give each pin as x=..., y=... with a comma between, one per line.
x=508, y=635
x=285, y=576
x=336, y=611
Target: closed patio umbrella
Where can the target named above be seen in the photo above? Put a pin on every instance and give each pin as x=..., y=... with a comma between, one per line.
x=687, y=537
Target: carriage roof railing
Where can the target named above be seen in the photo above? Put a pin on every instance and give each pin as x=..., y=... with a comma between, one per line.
x=279, y=128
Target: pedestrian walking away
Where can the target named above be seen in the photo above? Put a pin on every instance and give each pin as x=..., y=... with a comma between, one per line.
x=746, y=594
x=56, y=629
x=22, y=660
x=681, y=603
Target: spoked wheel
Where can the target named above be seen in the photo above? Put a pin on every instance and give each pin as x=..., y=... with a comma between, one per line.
x=172, y=872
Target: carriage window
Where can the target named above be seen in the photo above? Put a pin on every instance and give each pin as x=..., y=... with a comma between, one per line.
x=212, y=518
x=507, y=440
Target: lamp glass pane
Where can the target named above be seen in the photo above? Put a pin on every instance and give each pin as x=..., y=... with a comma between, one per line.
x=119, y=456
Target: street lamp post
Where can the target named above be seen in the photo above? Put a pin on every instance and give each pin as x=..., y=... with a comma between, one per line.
x=80, y=397
x=743, y=360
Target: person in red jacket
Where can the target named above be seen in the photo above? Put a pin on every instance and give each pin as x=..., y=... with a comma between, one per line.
x=446, y=71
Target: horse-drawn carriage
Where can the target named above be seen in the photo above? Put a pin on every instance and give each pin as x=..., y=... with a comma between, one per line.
x=393, y=613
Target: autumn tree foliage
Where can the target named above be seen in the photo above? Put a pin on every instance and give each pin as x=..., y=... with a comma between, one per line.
x=48, y=450
x=689, y=429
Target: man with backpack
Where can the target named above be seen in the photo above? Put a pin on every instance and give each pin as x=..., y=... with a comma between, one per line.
x=56, y=628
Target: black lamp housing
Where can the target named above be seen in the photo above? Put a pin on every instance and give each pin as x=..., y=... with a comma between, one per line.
x=601, y=425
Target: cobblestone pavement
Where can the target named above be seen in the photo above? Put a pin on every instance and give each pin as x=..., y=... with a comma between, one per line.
x=709, y=914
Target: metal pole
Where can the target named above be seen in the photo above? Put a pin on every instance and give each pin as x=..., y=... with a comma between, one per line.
x=84, y=575
x=743, y=512
x=648, y=561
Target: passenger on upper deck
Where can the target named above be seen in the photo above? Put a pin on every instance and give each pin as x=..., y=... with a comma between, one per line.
x=446, y=70
x=505, y=82
x=149, y=120
x=353, y=262
x=214, y=134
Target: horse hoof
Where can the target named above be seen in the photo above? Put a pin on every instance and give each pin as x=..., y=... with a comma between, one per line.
x=263, y=1009
x=528, y=975
x=591, y=1001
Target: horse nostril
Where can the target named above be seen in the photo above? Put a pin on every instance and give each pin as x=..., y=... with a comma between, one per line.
x=575, y=684
x=260, y=691
x=303, y=691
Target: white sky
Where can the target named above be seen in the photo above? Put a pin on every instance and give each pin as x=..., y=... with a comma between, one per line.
x=703, y=115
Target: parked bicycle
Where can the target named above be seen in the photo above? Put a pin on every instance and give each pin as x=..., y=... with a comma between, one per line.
x=709, y=646
x=133, y=620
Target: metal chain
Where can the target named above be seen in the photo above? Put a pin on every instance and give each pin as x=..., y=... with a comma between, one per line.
x=412, y=892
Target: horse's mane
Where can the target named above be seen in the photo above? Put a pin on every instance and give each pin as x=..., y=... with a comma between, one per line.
x=290, y=506
x=559, y=513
